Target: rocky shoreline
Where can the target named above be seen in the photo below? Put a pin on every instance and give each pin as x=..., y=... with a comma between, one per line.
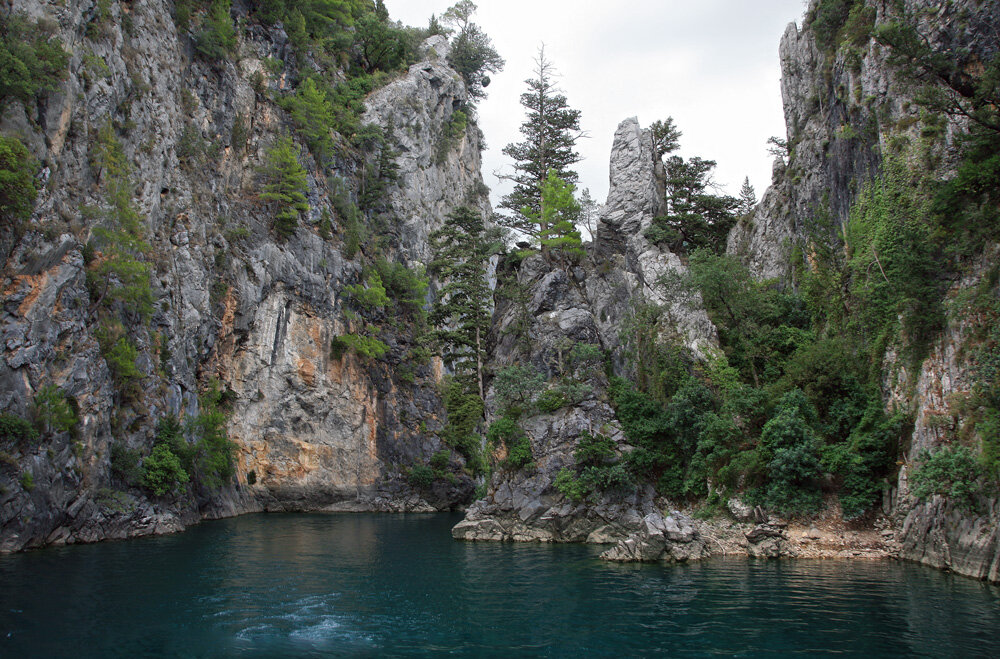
x=677, y=536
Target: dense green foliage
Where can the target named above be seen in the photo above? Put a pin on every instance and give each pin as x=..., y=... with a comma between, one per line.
x=53, y=411
x=550, y=132
x=953, y=472
x=285, y=185
x=162, y=472
x=367, y=347
x=14, y=430
x=121, y=273
x=217, y=38
x=461, y=313
x=17, y=181
x=464, y=406
x=32, y=60
x=369, y=295
x=598, y=469
x=557, y=232
x=696, y=218
x=472, y=53
x=782, y=412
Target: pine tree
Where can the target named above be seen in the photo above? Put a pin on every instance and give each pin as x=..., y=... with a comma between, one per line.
x=695, y=218
x=560, y=211
x=666, y=137
x=285, y=184
x=472, y=53
x=748, y=197
x=53, y=411
x=461, y=313
x=551, y=131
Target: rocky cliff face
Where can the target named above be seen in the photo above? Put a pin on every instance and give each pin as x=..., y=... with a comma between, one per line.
x=584, y=304
x=844, y=108
x=231, y=302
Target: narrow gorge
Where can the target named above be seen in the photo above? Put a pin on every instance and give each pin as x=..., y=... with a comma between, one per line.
x=223, y=288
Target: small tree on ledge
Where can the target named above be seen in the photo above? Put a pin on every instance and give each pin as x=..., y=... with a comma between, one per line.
x=285, y=185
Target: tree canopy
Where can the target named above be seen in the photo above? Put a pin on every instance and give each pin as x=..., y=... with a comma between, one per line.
x=550, y=132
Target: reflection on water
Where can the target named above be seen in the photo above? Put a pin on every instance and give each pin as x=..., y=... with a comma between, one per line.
x=366, y=585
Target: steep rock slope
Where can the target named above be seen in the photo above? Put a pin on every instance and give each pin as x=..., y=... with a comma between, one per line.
x=554, y=308
x=848, y=109
x=231, y=302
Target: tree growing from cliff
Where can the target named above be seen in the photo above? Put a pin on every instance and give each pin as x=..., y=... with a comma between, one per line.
x=461, y=313
x=748, y=197
x=32, y=60
x=556, y=220
x=551, y=131
x=696, y=217
x=472, y=52
x=121, y=273
x=285, y=185
x=52, y=411
x=17, y=181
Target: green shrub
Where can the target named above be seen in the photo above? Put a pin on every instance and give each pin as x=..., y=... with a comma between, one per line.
x=32, y=60
x=285, y=184
x=406, y=287
x=792, y=446
x=465, y=412
x=519, y=455
x=363, y=346
x=595, y=450
x=517, y=386
x=503, y=431
x=217, y=38
x=14, y=430
x=312, y=115
x=162, y=472
x=120, y=357
x=28, y=481
x=53, y=411
x=370, y=295
x=125, y=464
x=952, y=472
x=213, y=450
x=550, y=401
x=570, y=486
x=17, y=181
x=441, y=459
x=421, y=476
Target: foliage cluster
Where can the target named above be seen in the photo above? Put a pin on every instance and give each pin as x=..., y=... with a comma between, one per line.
x=368, y=347
x=32, y=60
x=285, y=185
x=198, y=450
x=15, y=430
x=464, y=407
x=121, y=273
x=598, y=469
x=17, y=181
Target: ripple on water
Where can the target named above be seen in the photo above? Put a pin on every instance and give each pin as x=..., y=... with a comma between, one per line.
x=321, y=585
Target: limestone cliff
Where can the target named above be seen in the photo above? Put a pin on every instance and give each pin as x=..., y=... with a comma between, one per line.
x=313, y=429
x=846, y=109
x=558, y=307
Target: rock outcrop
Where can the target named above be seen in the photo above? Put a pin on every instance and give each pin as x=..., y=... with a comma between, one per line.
x=313, y=430
x=844, y=107
x=588, y=303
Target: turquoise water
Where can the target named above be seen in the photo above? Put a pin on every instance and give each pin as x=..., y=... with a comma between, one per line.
x=389, y=585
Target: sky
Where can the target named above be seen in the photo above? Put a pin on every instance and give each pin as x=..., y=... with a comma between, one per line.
x=712, y=65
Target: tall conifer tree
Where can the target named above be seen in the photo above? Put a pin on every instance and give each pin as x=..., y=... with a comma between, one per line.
x=550, y=131
x=461, y=314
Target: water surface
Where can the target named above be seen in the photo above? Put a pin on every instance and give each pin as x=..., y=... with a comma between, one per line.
x=377, y=585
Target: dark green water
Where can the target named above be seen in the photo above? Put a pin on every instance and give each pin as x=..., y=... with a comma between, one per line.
x=376, y=585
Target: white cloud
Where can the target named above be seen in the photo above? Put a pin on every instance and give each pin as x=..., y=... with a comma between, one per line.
x=712, y=65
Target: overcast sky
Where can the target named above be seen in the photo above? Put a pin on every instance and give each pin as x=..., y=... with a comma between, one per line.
x=710, y=64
